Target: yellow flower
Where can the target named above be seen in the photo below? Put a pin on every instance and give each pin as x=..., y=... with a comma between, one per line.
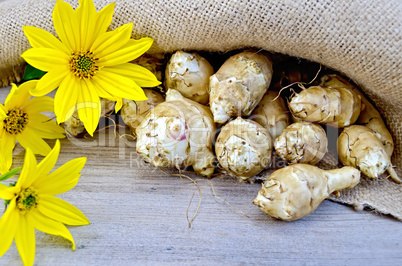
x=87, y=62
x=21, y=119
x=32, y=204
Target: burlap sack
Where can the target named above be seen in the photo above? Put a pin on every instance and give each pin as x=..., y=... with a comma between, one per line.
x=360, y=38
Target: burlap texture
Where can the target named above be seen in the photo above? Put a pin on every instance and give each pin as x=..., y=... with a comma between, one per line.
x=360, y=38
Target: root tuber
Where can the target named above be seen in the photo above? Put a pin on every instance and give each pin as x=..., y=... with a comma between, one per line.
x=134, y=112
x=369, y=116
x=296, y=191
x=361, y=147
x=189, y=74
x=239, y=85
x=244, y=148
x=178, y=133
x=337, y=107
x=302, y=142
x=272, y=113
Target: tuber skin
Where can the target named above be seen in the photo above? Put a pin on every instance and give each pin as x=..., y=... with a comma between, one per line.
x=302, y=142
x=74, y=126
x=244, y=148
x=178, y=133
x=361, y=147
x=295, y=191
x=369, y=116
x=272, y=113
x=189, y=74
x=337, y=107
x=133, y=112
x=239, y=85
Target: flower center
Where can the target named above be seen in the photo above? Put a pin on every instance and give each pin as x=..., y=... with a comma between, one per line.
x=83, y=64
x=15, y=121
x=27, y=199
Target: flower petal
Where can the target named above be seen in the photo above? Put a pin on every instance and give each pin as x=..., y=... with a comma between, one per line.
x=10, y=96
x=45, y=59
x=7, y=192
x=100, y=91
x=7, y=144
x=103, y=20
x=45, y=127
x=119, y=85
x=66, y=98
x=86, y=14
x=39, y=105
x=66, y=25
x=119, y=105
x=50, y=226
x=18, y=96
x=4, y=165
x=62, y=179
x=25, y=241
x=62, y=211
x=40, y=38
x=130, y=51
x=3, y=114
x=47, y=164
x=9, y=223
x=142, y=76
x=111, y=41
x=88, y=107
x=28, y=172
x=51, y=80
x=29, y=139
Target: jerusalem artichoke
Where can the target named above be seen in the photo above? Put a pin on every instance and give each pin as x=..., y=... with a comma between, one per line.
x=189, y=74
x=337, y=107
x=302, y=142
x=133, y=112
x=244, y=148
x=272, y=113
x=361, y=147
x=295, y=191
x=239, y=85
x=369, y=116
x=178, y=133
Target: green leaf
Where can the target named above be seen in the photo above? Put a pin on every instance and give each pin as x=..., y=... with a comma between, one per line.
x=10, y=173
x=32, y=73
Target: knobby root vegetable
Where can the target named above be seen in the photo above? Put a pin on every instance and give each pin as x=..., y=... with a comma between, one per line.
x=244, y=148
x=361, y=147
x=239, y=85
x=337, y=107
x=302, y=142
x=189, y=74
x=272, y=113
x=369, y=116
x=75, y=127
x=133, y=112
x=178, y=133
x=295, y=191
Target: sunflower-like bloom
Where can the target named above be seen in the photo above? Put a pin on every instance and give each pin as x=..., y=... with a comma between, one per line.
x=21, y=119
x=87, y=62
x=32, y=204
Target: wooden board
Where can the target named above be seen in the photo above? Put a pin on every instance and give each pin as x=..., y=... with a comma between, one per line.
x=138, y=216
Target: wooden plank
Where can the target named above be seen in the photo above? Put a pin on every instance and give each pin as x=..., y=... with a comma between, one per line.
x=138, y=216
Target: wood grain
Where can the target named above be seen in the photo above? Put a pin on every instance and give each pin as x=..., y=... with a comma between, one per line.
x=138, y=216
